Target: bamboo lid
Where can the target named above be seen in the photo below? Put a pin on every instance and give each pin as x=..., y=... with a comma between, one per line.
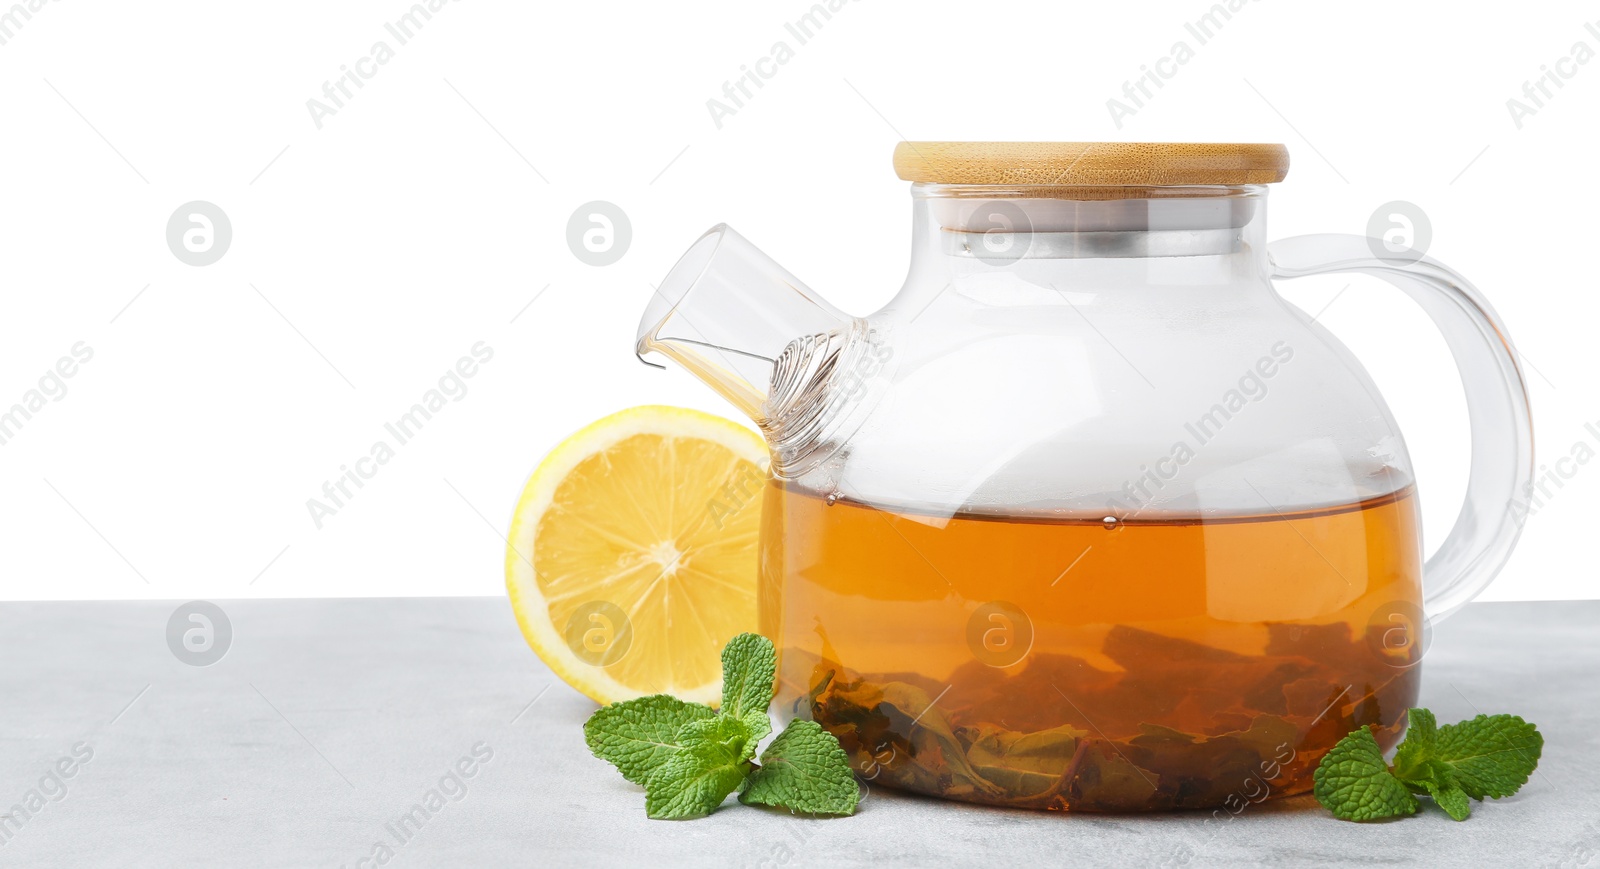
x=1141, y=164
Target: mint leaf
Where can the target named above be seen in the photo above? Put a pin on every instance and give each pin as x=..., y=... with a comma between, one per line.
x=714, y=758
x=1355, y=784
x=1422, y=733
x=1436, y=780
x=749, y=664
x=760, y=724
x=731, y=733
x=1451, y=798
x=637, y=736
x=804, y=770
x=1491, y=755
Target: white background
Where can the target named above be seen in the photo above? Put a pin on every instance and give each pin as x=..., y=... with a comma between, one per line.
x=428, y=212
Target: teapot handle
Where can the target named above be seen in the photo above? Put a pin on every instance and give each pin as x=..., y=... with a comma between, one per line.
x=1488, y=526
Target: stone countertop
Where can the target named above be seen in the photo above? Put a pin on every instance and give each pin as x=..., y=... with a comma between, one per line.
x=328, y=719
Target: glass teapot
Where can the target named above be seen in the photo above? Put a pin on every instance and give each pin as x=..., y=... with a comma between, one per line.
x=1089, y=517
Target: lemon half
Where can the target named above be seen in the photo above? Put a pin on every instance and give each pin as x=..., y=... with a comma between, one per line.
x=631, y=559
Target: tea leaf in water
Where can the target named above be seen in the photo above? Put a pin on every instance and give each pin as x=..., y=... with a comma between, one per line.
x=1027, y=765
x=1022, y=742
x=933, y=742
x=1190, y=766
x=1105, y=780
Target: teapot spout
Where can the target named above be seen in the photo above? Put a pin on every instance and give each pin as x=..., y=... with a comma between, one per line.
x=727, y=312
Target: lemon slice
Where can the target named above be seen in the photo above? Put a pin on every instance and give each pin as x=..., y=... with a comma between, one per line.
x=632, y=555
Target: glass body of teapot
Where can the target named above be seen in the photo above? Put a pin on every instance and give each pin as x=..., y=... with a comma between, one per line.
x=1089, y=517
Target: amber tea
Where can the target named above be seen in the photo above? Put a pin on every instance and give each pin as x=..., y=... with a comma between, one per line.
x=1156, y=662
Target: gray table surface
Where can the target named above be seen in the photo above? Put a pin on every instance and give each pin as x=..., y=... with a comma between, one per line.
x=328, y=719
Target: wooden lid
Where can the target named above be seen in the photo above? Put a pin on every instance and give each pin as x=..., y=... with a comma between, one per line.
x=1143, y=164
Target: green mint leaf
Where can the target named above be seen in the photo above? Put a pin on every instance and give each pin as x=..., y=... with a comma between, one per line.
x=1489, y=756
x=748, y=667
x=731, y=733
x=1422, y=734
x=637, y=736
x=1436, y=780
x=1451, y=798
x=1355, y=784
x=713, y=761
x=804, y=770
x=760, y=724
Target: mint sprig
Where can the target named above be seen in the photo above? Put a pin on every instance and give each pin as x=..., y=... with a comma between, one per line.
x=690, y=757
x=1488, y=756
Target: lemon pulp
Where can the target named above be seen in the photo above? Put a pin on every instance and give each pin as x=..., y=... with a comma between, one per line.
x=632, y=554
